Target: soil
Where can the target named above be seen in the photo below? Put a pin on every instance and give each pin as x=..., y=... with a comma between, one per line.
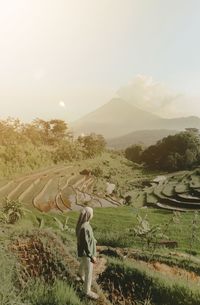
x=174, y=271
x=119, y=291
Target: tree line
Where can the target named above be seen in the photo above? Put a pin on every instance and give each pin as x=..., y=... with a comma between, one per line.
x=25, y=146
x=177, y=152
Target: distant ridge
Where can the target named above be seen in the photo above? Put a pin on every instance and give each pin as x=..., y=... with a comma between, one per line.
x=118, y=117
x=113, y=119
x=144, y=137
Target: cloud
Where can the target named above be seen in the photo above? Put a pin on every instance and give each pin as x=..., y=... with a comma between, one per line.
x=62, y=104
x=147, y=94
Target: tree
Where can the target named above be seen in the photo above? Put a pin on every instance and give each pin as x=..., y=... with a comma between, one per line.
x=51, y=131
x=134, y=152
x=173, y=162
x=92, y=144
x=11, y=131
x=178, y=152
x=59, y=129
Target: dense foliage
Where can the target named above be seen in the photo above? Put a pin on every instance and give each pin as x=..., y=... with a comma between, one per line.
x=42, y=143
x=134, y=153
x=178, y=152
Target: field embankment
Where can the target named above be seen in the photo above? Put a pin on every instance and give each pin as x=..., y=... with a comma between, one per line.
x=177, y=192
x=76, y=184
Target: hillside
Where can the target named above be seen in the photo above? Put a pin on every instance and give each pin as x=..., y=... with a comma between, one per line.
x=70, y=186
x=145, y=137
x=118, y=118
x=38, y=243
x=40, y=265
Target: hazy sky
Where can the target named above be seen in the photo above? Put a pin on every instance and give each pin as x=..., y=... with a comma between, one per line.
x=63, y=58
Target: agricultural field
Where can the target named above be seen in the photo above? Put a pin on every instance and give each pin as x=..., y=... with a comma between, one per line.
x=74, y=185
x=146, y=254
x=177, y=192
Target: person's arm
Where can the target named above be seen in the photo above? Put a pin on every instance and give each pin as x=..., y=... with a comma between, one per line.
x=85, y=237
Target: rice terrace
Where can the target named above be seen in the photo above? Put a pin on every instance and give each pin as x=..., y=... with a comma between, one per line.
x=147, y=231
x=99, y=152
x=58, y=188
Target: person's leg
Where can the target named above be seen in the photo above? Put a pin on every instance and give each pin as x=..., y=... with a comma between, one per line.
x=88, y=274
x=88, y=279
x=81, y=270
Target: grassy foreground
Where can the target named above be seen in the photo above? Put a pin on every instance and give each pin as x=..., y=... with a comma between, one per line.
x=133, y=281
x=113, y=227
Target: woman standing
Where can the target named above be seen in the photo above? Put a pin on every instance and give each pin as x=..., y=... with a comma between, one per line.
x=86, y=246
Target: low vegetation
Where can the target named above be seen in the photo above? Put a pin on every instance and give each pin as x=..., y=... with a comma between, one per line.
x=154, y=288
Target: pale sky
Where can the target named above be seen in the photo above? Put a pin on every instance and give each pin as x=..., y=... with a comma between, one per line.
x=64, y=58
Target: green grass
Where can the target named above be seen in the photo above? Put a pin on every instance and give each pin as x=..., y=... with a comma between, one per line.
x=165, y=256
x=181, y=187
x=194, y=181
x=59, y=293
x=168, y=190
x=8, y=292
x=114, y=225
x=151, y=199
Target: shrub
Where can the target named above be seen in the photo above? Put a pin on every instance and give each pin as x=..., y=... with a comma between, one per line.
x=97, y=171
x=11, y=212
x=134, y=153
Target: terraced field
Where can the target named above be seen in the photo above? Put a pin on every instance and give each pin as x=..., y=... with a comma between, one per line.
x=180, y=192
x=60, y=188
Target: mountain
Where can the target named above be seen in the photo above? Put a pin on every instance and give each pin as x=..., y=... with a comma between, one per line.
x=144, y=137
x=118, y=117
x=113, y=119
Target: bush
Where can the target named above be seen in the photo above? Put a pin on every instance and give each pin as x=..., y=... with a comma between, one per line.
x=134, y=153
x=11, y=212
x=97, y=171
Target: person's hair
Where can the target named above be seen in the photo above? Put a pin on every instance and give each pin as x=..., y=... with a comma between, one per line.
x=85, y=215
